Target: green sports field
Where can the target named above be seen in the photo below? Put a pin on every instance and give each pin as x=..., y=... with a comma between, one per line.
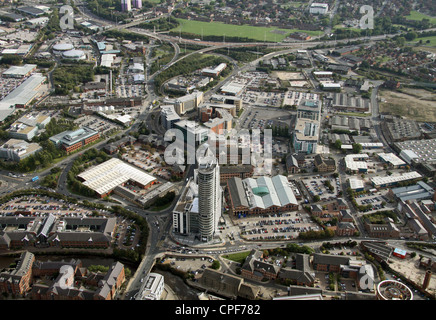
x=229, y=30
x=415, y=15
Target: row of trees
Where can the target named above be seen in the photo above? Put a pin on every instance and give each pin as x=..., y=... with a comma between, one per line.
x=162, y=24
x=312, y=234
x=187, y=66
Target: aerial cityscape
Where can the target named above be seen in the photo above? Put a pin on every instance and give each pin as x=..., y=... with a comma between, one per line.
x=217, y=150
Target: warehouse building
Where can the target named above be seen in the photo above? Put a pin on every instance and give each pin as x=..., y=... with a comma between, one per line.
x=104, y=177
x=261, y=196
x=214, y=72
x=356, y=163
x=417, y=151
x=400, y=129
x=23, y=95
x=392, y=160
x=393, y=180
x=347, y=102
x=19, y=72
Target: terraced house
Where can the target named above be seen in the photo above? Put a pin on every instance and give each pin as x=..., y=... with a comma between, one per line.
x=17, y=281
x=49, y=231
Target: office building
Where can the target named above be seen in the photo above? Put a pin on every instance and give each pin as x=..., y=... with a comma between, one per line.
x=16, y=150
x=192, y=131
x=306, y=136
x=187, y=102
x=185, y=214
x=73, y=140
x=169, y=116
x=199, y=207
x=319, y=8
x=309, y=109
x=153, y=287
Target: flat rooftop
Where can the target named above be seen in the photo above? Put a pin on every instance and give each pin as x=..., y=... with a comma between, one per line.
x=104, y=177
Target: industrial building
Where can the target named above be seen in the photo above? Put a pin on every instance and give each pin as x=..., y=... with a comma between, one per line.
x=23, y=95
x=73, y=140
x=22, y=131
x=394, y=179
x=26, y=127
x=356, y=185
x=104, y=177
x=261, y=196
x=19, y=72
x=214, y=72
x=400, y=129
x=347, y=102
x=392, y=160
x=356, y=163
x=417, y=151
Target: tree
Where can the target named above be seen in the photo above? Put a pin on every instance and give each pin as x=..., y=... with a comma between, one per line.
x=410, y=36
x=400, y=41
x=338, y=144
x=357, y=147
x=215, y=265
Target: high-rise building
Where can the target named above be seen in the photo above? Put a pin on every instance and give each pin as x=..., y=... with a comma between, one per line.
x=137, y=4
x=126, y=5
x=210, y=199
x=199, y=208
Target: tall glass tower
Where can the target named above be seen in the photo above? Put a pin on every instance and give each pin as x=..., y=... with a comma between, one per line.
x=210, y=199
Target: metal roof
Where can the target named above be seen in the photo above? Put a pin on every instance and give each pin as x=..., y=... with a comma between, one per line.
x=106, y=176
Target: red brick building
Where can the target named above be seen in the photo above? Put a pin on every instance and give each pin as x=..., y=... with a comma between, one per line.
x=18, y=281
